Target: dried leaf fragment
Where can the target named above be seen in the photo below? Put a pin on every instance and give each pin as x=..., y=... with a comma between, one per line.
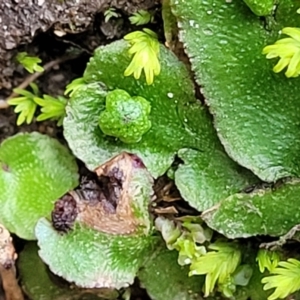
x=111, y=203
x=106, y=224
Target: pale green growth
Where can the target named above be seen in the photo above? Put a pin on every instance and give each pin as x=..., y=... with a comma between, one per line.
x=217, y=265
x=198, y=233
x=228, y=287
x=51, y=108
x=185, y=237
x=127, y=294
x=285, y=278
x=188, y=249
x=267, y=260
x=25, y=104
x=288, y=50
x=241, y=277
x=145, y=51
x=72, y=87
x=110, y=13
x=30, y=63
x=141, y=17
x=169, y=231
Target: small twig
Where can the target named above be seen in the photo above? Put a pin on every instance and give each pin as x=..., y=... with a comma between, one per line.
x=166, y=210
x=170, y=198
x=34, y=76
x=10, y=284
x=7, y=266
x=282, y=240
x=166, y=188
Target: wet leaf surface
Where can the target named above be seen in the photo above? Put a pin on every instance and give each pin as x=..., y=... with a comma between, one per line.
x=272, y=211
x=256, y=112
x=35, y=170
x=111, y=235
x=43, y=285
x=164, y=279
x=178, y=122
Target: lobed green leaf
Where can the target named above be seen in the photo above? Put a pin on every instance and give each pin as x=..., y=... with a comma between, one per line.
x=256, y=112
x=35, y=170
x=178, y=122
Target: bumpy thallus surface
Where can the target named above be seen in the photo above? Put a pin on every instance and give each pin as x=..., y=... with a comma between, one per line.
x=256, y=112
x=180, y=126
x=35, y=170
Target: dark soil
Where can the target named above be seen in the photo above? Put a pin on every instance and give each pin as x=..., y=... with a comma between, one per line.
x=33, y=28
x=78, y=23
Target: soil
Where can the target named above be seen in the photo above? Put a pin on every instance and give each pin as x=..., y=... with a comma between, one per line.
x=66, y=31
x=34, y=28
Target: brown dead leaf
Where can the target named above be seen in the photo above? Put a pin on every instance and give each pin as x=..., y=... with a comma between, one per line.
x=113, y=214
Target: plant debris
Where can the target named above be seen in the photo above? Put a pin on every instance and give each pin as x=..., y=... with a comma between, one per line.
x=64, y=213
x=7, y=267
x=103, y=202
